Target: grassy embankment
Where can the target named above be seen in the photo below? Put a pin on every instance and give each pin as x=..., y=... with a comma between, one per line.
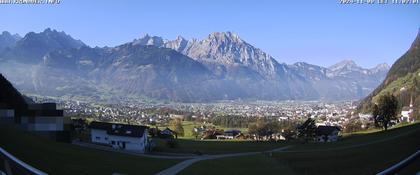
x=62, y=158
x=353, y=155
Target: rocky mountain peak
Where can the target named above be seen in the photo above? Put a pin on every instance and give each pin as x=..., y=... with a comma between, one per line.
x=54, y=37
x=343, y=64
x=149, y=40
x=224, y=37
x=8, y=40
x=344, y=68
x=49, y=31
x=382, y=66
x=34, y=46
x=301, y=64
x=180, y=38
x=6, y=34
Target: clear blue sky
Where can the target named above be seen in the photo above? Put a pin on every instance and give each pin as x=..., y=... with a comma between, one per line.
x=320, y=32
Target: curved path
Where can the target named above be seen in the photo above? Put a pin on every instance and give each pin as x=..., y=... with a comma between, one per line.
x=184, y=164
x=191, y=159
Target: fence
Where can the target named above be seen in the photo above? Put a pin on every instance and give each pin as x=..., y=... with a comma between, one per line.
x=10, y=165
x=397, y=167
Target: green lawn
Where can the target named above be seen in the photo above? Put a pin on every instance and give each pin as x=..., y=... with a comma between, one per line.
x=312, y=158
x=259, y=165
x=318, y=158
x=189, y=125
x=217, y=147
x=62, y=158
x=360, y=138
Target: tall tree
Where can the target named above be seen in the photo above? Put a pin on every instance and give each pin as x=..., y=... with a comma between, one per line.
x=387, y=109
x=307, y=129
x=375, y=114
x=176, y=125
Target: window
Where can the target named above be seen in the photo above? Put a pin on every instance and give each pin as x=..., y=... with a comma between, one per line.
x=113, y=142
x=98, y=138
x=106, y=138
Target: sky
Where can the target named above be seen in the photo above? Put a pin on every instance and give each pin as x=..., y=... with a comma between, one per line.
x=321, y=32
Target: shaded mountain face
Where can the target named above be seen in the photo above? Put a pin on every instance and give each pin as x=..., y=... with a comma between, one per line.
x=402, y=80
x=135, y=70
x=32, y=47
x=344, y=80
x=8, y=40
x=220, y=67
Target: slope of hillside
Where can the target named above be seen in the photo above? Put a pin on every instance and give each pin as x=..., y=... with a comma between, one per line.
x=402, y=80
x=360, y=154
x=63, y=158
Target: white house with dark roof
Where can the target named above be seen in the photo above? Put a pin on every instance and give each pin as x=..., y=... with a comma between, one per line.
x=406, y=112
x=120, y=136
x=327, y=133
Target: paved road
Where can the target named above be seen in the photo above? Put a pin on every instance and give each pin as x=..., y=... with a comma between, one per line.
x=184, y=164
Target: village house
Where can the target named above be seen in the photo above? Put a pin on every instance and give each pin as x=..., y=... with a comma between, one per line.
x=406, y=113
x=327, y=133
x=120, y=136
x=168, y=133
x=231, y=134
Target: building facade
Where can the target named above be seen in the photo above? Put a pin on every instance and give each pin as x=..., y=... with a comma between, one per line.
x=120, y=136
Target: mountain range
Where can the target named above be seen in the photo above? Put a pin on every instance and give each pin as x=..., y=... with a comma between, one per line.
x=222, y=66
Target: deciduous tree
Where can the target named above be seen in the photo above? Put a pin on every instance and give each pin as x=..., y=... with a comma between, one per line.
x=307, y=129
x=387, y=109
x=176, y=125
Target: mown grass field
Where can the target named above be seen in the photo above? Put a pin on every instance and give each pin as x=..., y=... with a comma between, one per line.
x=327, y=158
x=217, y=146
x=62, y=158
x=349, y=156
x=189, y=126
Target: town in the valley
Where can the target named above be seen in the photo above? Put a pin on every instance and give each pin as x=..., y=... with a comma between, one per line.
x=116, y=124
